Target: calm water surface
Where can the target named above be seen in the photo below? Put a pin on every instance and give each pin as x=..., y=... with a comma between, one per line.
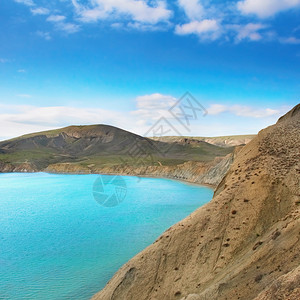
x=57, y=242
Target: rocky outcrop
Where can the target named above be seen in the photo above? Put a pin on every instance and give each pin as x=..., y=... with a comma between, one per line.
x=18, y=168
x=244, y=244
x=285, y=287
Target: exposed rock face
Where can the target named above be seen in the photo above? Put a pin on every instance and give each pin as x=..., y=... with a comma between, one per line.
x=244, y=244
x=23, y=167
x=207, y=173
x=285, y=287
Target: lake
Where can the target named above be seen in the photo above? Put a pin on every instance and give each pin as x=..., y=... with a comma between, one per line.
x=64, y=236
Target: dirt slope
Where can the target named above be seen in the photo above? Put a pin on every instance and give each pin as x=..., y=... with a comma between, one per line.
x=244, y=244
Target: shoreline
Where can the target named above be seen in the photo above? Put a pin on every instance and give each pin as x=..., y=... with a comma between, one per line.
x=213, y=187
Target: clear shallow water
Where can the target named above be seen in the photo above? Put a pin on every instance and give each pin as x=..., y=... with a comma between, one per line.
x=57, y=242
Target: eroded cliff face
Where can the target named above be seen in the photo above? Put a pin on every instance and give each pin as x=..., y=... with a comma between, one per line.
x=206, y=173
x=244, y=244
x=24, y=167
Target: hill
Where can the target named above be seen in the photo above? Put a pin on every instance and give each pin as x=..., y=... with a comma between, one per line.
x=221, y=141
x=244, y=244
x=90, y=149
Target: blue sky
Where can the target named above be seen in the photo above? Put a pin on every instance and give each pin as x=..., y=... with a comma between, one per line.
x=125, y=62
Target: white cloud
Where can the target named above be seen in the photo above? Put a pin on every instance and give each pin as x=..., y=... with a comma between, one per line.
x=207, y=20
x=45, y=35
x=205, y=29
x=243, y=111
x=25, y=2
x=136, y=10
x=152, y=107
x=290, y=40
x=21, y=71
x=91, y=15
x=216, y=109
x=142, y=26
x=249, y=31
x=56, y=18
x=24, y=95
x=18, y=120
x=192, y=8
x=266, y=8
x=4, y=60
x=40, y=11
x=117, y=25
x=61, y=25
x=67, y=27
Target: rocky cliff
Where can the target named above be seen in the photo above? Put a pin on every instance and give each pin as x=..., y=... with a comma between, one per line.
x=244, y=244
x=205, y=173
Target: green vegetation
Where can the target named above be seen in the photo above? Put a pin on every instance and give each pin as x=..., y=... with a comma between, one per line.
x=102, y=146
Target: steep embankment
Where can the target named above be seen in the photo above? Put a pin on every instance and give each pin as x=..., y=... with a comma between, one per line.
x=244, y=244
x=207, y=173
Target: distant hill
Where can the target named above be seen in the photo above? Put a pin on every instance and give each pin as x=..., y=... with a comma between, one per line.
x=221, y=141
x=98, y=146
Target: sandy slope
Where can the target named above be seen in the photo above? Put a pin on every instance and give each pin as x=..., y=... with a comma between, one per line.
x=244, y=244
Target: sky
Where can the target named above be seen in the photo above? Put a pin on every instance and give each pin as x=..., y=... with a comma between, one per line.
x=127, y=62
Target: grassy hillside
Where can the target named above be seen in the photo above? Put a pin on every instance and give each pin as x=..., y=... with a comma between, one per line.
x=101, y=145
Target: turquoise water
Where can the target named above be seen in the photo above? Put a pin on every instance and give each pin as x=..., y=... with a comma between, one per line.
x=57, y=242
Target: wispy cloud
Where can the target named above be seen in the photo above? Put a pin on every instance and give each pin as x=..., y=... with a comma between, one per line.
x=24, y=95
x=290, y=40
x=243, y=111
x=142, y=26
x=56, y=18
x=67, y=27
x=266, y=8
x=249, y=31
x=60, y=24
x=21, y=119
x=45, y=35
x=152, y=107
x=206, y=29
x=193, y=9
x=25, y=2
x=134, y=10
x=209, y=20
x=21, y=71
x=40, y=11
x=4, y=60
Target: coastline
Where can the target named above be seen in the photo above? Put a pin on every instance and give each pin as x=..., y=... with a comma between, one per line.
x=213, y=187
